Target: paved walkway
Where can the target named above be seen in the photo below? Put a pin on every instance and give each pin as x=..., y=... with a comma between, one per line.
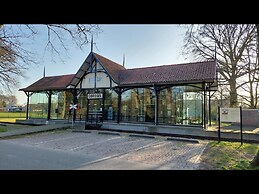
x=102, y=150
x=111, y=149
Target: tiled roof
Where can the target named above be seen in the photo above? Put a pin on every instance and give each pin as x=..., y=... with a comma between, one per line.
x=180, y=73
x=110, y=66
x=165, y=74
x=50, y=83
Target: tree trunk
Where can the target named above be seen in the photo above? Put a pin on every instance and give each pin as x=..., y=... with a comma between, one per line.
x=252, y=100
x=255, y=161
x=233, y=93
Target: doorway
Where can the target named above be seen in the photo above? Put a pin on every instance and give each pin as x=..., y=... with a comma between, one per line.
x=95, y=111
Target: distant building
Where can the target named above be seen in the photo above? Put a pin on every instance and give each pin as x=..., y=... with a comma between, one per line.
x=14, y=108
x=2, y=109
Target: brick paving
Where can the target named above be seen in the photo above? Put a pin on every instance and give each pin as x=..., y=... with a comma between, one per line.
x=152, y=153
x=169, y=155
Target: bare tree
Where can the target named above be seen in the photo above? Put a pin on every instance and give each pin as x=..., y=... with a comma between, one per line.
x=8, y=100
x=255, y=161
x=230, y=43
x=250, y=84
x=15, y=58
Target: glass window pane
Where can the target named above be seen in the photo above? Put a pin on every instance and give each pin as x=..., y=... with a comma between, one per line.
x=180, y=105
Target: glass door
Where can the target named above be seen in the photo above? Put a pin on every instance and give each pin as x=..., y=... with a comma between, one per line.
x=95, y=110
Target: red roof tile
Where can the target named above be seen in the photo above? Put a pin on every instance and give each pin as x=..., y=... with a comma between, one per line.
x=180, y=73
x=110, y=66
x=50, y=83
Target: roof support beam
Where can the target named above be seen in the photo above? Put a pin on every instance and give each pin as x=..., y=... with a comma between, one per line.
x=28, y=94
x=49, y=94
x=204, y=106
x=157, y=90
x=119, y=92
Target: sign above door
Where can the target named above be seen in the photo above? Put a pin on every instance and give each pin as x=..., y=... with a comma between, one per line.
x=95, y=96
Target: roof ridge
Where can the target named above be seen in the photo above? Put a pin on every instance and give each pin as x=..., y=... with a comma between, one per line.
x=178, y=64
x=108, y=59
x=59, y=75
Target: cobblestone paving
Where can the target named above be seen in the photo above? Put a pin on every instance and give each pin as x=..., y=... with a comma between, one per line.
x=158, y=152
x=169, y=155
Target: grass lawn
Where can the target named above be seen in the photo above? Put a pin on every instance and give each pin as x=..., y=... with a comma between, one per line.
x=3, y=129
x=12, y=116
x=228, y=156
x=10, y=120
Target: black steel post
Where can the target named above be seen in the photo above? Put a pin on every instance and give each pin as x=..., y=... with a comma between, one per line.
x=204, y=105
x=218, y=124
x=87, y=108
x=241, y=126
x=209, y=109
x=156, y=104
x=49, y=104
x=103, y=105
x=119, y=106
x=75, y=101
x=28, y=102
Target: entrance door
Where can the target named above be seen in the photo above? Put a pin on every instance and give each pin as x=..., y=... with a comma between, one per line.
x=95, y=110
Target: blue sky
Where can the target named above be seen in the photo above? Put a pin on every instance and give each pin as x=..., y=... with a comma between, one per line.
x=143, y=46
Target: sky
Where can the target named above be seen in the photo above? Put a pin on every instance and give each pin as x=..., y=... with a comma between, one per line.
x=143, y=45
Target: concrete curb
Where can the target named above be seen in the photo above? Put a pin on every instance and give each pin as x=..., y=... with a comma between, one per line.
x=31, y=131
x=183, y=139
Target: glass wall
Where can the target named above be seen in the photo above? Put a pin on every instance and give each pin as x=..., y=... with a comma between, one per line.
x=110, y=105
x=177, y=105
x=82, y=105
x=138, y=105
x=60, y=104
x=38, y=107
x=181, y=105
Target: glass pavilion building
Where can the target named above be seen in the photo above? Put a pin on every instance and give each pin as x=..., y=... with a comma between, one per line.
x=177, y=94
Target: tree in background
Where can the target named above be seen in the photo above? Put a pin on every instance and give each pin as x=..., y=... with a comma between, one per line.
x=255, y=161
x=250, y=83
x=15, y=58
x=7, y=100
x=3, y=104
x=235, y=48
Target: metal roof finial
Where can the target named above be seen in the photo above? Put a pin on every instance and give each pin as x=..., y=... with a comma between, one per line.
x=44, y=75
x=92, y=43
x=123, y=62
